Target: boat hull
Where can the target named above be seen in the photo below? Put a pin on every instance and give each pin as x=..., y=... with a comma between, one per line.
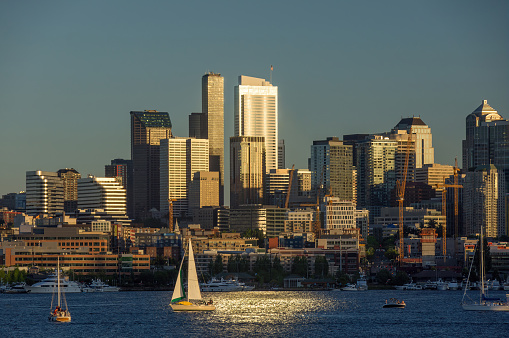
x=60, y=319
x=193, y=307
x=70, y=289
x=485, y=307
x=394, y=306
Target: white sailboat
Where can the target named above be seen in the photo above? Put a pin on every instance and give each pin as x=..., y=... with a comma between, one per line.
x=192, y=301
x=59, y=314
x=485, y=303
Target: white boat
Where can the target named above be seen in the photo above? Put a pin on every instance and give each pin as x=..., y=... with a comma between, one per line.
x=442, y=286
x=98, y=285
x=409, y=286
x=484, y=303
x=221, y=285
x=362, y=284
x=453, y=285
x=349, y=287
x=16, y=288
x=61, y=312
x=192, y=301
x=49, y=285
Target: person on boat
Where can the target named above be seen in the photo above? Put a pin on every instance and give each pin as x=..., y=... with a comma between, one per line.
x=210, y=302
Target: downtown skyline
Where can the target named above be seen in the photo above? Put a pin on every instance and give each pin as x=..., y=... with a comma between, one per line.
x=68, y=86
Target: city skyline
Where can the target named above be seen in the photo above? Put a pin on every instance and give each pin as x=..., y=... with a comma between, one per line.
x=69, y=78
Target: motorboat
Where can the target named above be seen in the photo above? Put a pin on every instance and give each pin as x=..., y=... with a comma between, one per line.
x=222, y=285
x=362, y=284
x=16, y=288
x=50, y=284
x=98, y=285
x=349, y=287
x=394, y=303
x=442, y=286
x=409, y=286
x=453, y=285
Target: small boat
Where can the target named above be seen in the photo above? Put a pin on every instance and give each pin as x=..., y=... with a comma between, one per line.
x=17, y=288
x=362, y=284
x=453, y=285
x=409, y=286
x=192, y=301
x=59, y=314
x=221, y=285
x=484, y=303
x=349, y=287
x=98, y=285
x=394, y=303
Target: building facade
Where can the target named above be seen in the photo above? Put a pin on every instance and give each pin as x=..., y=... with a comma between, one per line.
x=70, y=179
x=44, y=193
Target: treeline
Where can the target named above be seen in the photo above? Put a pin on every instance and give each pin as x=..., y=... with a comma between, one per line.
x=12, y=276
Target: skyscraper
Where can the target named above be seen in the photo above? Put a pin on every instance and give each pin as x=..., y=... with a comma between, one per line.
x=195, y=125
x=281, y=154
x=332, y=166
x=123, y=171
x=212, y=124
x=424, y=151
x=44, y=193
x=256, y=114
x=147, y=129
x=180, y=159
x=70, y=179
x=247, y=170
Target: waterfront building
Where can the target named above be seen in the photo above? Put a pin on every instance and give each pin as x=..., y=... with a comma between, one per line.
x=44, y=193
x=376, y=173
x=331, y=164
x=122, y=170
x=256, y=114
x=147, y=129
x=103, y=194
x=180, y=159
x=484, y=202
x=70, y=179
x=247, y=170
x=212, y=124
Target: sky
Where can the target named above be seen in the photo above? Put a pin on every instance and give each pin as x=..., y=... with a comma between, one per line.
x=71, y=71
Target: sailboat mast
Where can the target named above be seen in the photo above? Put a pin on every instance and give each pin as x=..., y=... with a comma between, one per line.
x=482, y=262
x=58, y=280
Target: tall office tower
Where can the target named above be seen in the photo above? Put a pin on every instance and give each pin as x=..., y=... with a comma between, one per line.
x=484, y=202
x=247, y=170
x=332, y=168
x=204, y=190
x=487, y=139
x=376, y=176
x=212, y=123
x=424, y=151
x=123, y=171
x=256, y=114
x=180, y=159
x=44, y=193
x=195, y=125
x=147, y=129
x=281, y=154
x=70, y=179
x=103, y=194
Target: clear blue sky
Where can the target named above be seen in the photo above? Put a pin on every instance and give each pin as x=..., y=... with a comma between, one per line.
x=70, y=71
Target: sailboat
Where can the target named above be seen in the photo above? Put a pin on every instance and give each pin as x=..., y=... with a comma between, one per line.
x=180, y=301
x=485, y=303
x=59, y=314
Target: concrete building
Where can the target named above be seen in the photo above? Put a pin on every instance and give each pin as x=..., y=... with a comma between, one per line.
x=204, y=190
x=299, y=221
x=122, y=170
x=339, y=214
x=44, y=193
x=362, y=222
x=421, y=134
x=248, y=217
x=195, y=125
x=484, y=202
x=147, y=129
x=180, y=159
x=70, y=179
x=331, y=164
x=212, y=124
x=247, y=170
x=256, y=114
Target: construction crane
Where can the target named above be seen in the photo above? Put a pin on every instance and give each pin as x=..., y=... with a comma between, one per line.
x=316, y=222
x=400, y=187
x=289, y=188
x=456, y=186
x=170, y=214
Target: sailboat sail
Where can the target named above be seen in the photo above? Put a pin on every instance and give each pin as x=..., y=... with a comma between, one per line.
x=192, y=277
x=179, y=293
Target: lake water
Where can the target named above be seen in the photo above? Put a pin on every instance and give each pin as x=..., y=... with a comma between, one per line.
x=254, y=314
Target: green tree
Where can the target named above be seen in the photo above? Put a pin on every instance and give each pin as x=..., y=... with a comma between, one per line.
x=255, y=233
x=342, y=278
x=218, y=265
x=300, y=266
x=383, y=276
x=321, y=266
x=391, y=253
x=401, y=278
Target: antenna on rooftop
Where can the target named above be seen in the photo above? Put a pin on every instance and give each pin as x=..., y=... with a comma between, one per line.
x=271, y=69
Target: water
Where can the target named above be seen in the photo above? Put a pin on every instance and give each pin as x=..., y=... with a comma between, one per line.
x=254, y=313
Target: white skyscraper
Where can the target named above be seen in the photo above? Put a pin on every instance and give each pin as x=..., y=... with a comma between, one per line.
x=256, y=114
x=44, y=193
x=180, y=159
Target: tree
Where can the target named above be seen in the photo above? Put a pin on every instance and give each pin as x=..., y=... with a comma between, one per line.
x=255, y=233
x=321, y=266
x=342, y=278
x=391, y=253
x=218, y=265
x=300, y=266
x=401, y=278
x=383, y=276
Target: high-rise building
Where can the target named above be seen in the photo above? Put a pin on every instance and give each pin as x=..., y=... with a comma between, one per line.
x=376, y=173
x=256, y=114
x=212, y=124
x=484, y=202
x=44, y=193
x=486, y=139
x=332, y=168
x=247, y=170
x=195, y=125
x=147, y=129
x=70, y=179
x=122, y=170
x=204, y=190
x=276, y=187
x=424, y=151
x=180, y=159
x=106, y=195
x=281, y=154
